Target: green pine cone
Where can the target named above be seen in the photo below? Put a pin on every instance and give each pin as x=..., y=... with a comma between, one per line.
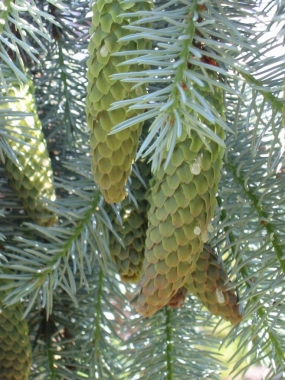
x=112, y=156
x=33, y=179
x=15, y=349
x=207, y=282
x=129, y=259
x=182, y=204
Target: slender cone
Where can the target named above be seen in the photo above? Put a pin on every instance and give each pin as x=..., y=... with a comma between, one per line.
x=209, y=283
x=182, y=204
x=15, y=349
x=32, y=179
x=129, y=259
x=112, y=155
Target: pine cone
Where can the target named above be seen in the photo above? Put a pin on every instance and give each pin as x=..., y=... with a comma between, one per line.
x=129, y=260
x=207, y=282
x=33, y=181
x=15, y=349
x=112, y=156
x=182, y=204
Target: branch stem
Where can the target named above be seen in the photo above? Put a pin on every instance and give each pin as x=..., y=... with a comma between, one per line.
x=169, y=345
x=263, y=215
x=270, y=230
x=267, y=95
x=68, y=245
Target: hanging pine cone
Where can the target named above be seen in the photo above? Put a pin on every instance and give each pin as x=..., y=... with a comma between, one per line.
x=207, y=282
x=129, y=259
x=32, y=180
x=112, y=156
x=182, y=204
x=15, y=349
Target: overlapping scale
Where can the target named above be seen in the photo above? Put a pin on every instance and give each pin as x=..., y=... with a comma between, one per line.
x=129, y=259
x=112, y=155
x=209, y=282
x=32, y=178
x=15, y=349
x=182, y=204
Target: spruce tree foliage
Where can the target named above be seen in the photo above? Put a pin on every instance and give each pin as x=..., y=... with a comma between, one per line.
x=82, y=318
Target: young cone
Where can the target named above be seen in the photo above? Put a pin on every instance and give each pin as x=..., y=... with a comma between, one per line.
x=112, y=155
x=15, y=349
x=182, y=204
x=207, y=282
x=32, y=179
x=129, y=259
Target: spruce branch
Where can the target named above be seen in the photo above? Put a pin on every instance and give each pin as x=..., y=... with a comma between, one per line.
x=96, y=335
x=60, y=82
x=264, y=218
x=102, y=340
x=266, y=93
x=49, y=352
x=49, y=265
x=157, y=347
x=261, y=312
x=189, y=44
